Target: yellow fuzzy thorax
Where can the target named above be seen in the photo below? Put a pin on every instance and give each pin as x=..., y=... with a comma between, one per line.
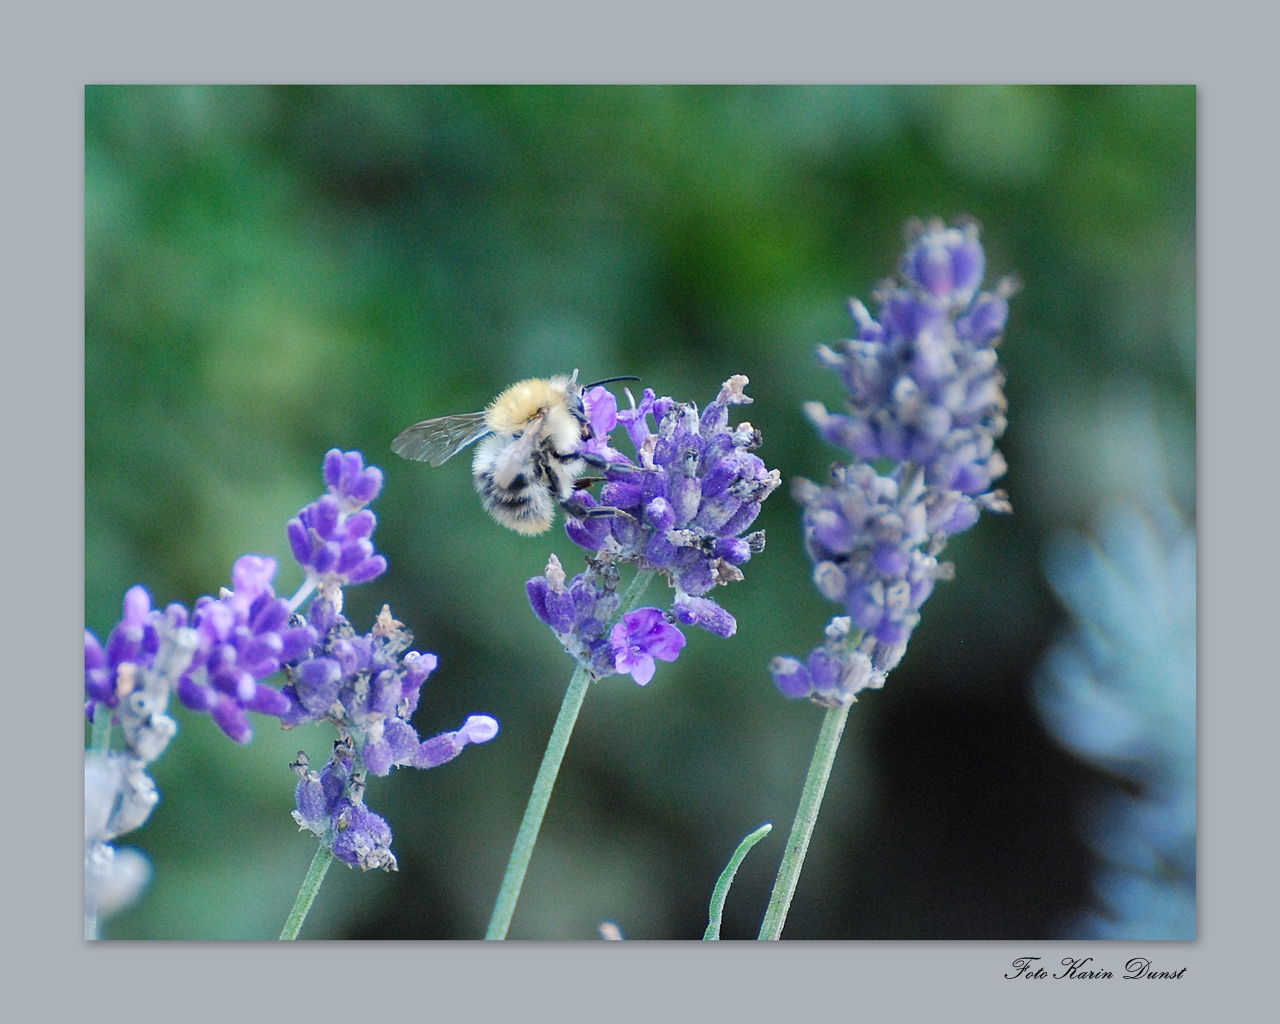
x=511, y=411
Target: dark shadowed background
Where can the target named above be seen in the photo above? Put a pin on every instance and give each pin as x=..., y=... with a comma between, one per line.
x=273, y=272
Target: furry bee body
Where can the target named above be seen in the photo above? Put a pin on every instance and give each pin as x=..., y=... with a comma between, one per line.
x=529, y=456
x=528, y=464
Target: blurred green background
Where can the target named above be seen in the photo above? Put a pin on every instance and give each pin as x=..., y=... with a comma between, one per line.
x=273, y=272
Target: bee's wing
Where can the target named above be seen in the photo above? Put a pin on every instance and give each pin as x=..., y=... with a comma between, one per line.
x=439, y=440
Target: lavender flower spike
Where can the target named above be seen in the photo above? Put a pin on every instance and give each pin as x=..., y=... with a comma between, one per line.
x=330, y=538
x=330, y=804
x=243, y=636
x=146, y=652
x=924, y=392
x=369, y=686
x=695, y=488
x=578, y=610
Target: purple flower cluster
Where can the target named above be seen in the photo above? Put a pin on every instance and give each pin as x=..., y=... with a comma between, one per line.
x=685, y=502
x=924, y=392
x=833, y=672
x=579, y=613
x=330, y=804
x=923, y=382
x=146, y=652
x=330, y=537
x=369, y=686
x=244, y=636
x=695, y=488
x=217, y=657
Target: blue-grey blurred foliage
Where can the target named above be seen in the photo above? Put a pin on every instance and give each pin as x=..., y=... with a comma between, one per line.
x=1120, y=691
x=272, y=272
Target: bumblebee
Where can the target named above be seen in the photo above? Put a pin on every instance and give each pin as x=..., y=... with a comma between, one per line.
x=529, y=459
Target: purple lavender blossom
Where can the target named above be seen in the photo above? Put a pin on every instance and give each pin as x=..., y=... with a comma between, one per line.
x=640, y=637
x=330, y=538
x=330, y=804
x=694, y=490
x=924, y=391
x=369, y=686
x=146, y=652
x=578, y=611
x=243, y=636
x=923, y=382
x=833, y=673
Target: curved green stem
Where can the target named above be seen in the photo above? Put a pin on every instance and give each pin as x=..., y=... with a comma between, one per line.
x=518, y=864
x=531, y=823
x=307, y=894
x=815, y=785
x=721, y=891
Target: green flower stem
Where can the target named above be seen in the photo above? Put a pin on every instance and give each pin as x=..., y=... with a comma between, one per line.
x=721, y=891
x=99, y=746
x=815, y=785
x=307, y=894
x=521, y=853
x=527, y=837
x=101, y=736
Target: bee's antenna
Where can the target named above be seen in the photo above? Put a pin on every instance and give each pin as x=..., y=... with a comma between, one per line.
x=608, y=380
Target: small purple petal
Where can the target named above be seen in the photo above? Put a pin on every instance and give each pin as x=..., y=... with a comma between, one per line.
x=791, y=677
x=436, y=751
x=367, y=485
x=313, y=804
x=317, y=682
x=137, y=605
x=251, y=576
x=232, y=719
x=299, y=540
x=94, y=657
x=352, y=467
x=333, y=468
x=361, y=524
x=589, y=534
x=195, y=696
x=891, y=560
x=734, y=550
x=377, y=757
x=602, y=410
x=705, y=613
x=272, y=617
x=418, y=667
x=269, y=701
x=325, y=557
x=477, y=729
x=353, y=553
x=370, y=568
x=555, y=609
x=296, y=642
x=402, y=738
x=324, y=515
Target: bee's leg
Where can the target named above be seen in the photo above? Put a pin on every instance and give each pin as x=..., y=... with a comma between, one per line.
x=598, y=462
x=580, y=511
x=606, y=512
x=583, y=482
